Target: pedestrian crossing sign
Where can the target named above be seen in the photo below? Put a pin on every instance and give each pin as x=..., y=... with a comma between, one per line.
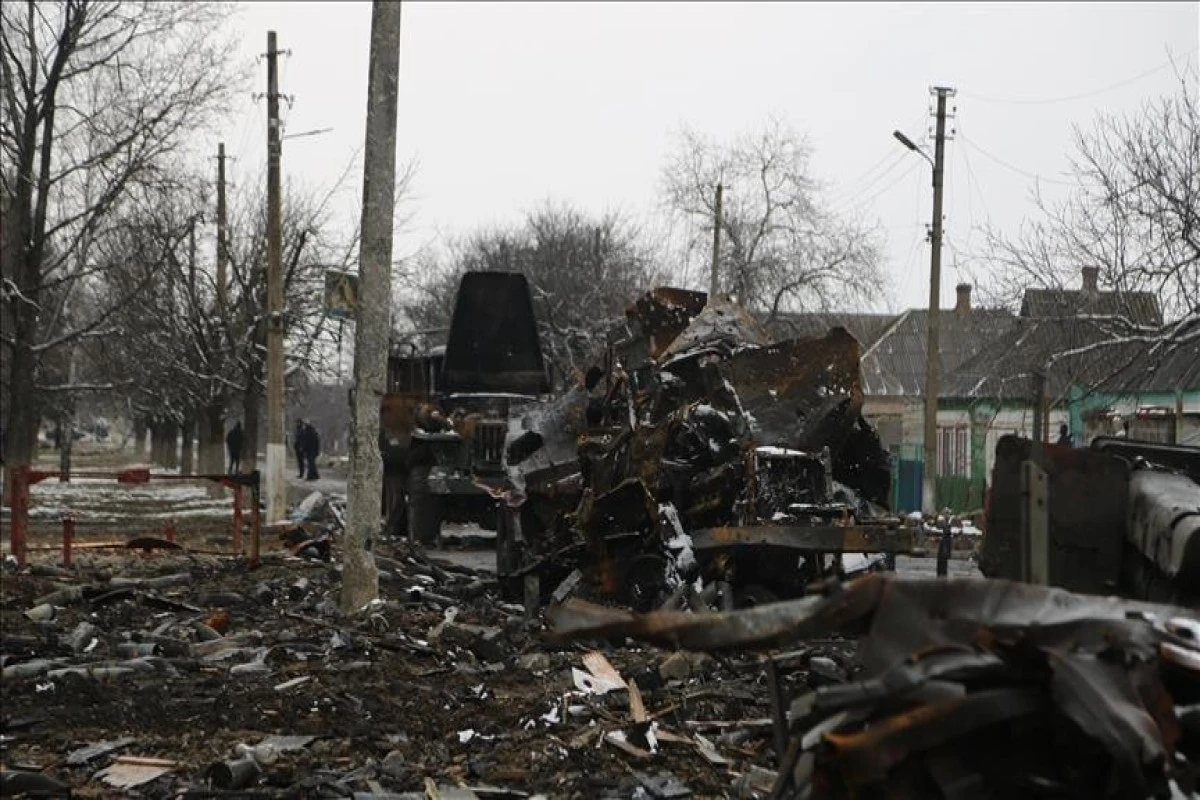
x=341, y=294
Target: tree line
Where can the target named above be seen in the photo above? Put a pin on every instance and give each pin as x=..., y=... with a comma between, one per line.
x=108, y=246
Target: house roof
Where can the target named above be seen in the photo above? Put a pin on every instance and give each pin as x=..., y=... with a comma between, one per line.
x=1003, y=369
x=895, y=363
x=1139, y=308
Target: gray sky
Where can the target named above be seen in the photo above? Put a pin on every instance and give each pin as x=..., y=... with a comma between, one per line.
x=504, y=105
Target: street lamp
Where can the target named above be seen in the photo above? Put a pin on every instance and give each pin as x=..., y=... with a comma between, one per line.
x=907, y=142
x=932, y=348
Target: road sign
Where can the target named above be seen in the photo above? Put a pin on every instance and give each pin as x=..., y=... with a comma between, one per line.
x=341, y=294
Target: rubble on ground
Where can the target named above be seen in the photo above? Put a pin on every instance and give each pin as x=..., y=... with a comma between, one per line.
x=188, y=675
x=968, y=688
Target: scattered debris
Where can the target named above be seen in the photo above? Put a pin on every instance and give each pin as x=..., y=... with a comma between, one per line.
x=130, y=771
x=977, y=684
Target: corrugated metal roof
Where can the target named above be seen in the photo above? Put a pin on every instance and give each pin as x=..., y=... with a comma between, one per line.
x=1003, y=369
x=895, y=364
x=1140, y=308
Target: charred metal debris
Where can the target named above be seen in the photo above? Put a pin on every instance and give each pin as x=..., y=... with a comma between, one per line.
x=968, y=688
x=699, y=463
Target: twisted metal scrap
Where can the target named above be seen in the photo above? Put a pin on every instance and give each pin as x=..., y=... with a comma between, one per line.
x=1116, y=669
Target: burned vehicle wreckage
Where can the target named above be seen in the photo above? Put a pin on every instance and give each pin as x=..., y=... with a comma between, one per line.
x=698, y=463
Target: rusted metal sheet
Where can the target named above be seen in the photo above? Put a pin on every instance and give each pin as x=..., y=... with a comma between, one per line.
x=816, y=538
x=721, y=325
x=1088, y=497
x=660, y=315
x=803, y=392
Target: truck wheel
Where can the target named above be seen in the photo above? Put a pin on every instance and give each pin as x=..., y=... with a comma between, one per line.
x=424, y=509
x=395, y=506
x=508, y=549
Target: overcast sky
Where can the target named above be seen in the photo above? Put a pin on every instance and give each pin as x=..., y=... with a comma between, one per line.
x=503, y=105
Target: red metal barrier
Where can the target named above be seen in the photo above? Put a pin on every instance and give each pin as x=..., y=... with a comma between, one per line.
x=24, y=477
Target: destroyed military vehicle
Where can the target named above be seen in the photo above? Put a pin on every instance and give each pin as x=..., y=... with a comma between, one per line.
x=699, y=457
x=444, y=418
x=1123, y=517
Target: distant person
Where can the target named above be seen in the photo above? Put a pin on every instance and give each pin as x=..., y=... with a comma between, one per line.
x=1064, y=435
x=298, y=447
x=312, y=448
x=233, y=442
x=945, y=547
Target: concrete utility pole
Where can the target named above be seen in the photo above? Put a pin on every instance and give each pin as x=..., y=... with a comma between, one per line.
x=222, y=254
x=714, y=276
x=360, y=580
x=276, y=452
x=933, y=347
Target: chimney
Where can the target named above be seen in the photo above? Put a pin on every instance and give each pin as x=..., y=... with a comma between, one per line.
x=963, y=306
x=1090, y=274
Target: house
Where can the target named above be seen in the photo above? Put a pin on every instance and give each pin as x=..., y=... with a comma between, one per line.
x=988, y=358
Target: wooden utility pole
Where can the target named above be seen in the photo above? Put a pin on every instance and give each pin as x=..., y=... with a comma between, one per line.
x=222, y=254
x=276, y=452
x=933, y=353
x=360, y=580
x=714, y=280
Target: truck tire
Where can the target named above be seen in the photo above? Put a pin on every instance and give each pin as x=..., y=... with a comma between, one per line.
x=424, y=509
x=395, y=505
x=508, y=548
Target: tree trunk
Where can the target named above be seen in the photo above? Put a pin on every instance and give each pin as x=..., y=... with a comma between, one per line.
x=188, y=437
x=67, y=426
x=139, y=436
x=250, y=424
x=212, y=445
x=171, y=444
x=360, y=579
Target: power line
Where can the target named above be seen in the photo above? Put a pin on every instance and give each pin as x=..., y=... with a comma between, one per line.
x=847, y=189
x=855, y=205
x=1007, y=165
x=1081, y=96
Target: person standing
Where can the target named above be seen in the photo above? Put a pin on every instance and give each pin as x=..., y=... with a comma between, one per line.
x=233, y=443
x=312, y=448
x=298, y=447
x=1064, y=435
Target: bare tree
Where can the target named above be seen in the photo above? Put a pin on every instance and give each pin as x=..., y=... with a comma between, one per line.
x=781, y=250
x=96, y=97
x=1132, y=215
x=583, y=273
x=179, y=360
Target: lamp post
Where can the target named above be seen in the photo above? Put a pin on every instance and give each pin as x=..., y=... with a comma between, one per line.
x=933, y=347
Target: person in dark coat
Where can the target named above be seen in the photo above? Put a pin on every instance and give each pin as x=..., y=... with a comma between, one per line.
x=233, y=443
x=312, y=448
x=1064, y=435
x=298, y=447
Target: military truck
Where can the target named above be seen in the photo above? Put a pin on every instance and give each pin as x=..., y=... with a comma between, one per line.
x=444, y=419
